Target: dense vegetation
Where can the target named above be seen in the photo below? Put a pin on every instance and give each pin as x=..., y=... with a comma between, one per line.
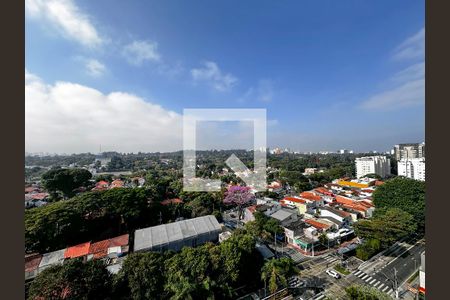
x=400, y=213
x=88, y=216
x=194, y=273
x=364, y=292
x=405, y=194
x=65, y=181
x=73, y=280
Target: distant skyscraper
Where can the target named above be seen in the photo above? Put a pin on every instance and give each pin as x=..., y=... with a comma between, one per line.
x=379, y=165
x=411, y=150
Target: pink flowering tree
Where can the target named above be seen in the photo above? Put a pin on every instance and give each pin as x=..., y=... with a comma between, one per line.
x=238, y=195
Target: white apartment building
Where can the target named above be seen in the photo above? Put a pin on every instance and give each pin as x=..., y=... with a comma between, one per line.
x=380, y=165
x=412, y=168
x=411, y=150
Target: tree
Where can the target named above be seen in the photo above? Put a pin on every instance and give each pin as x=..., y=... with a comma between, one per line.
x=323, y=239
x=65, y=180
x=73, y=280
x=387, y=226
x=277, y=272
x=405, y=194
x=141, y=276
x=238, y=195
x=364, y=292
x=88, y=216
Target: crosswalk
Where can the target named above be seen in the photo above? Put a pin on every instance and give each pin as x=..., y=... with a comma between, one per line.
x=385, y=288
x=330, y=258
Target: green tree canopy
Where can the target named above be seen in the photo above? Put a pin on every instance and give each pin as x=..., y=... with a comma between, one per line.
x=387, y=226
x=87, y=217
x=141, y=276
x=277, y=272
x=65, y=180
x=73, y=280
x=364, y=292
x=405, y=194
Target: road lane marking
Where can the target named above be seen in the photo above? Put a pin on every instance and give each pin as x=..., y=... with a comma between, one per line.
x=368, y=278
x=357, y=272
x=385, y=288
x=376, y=284
x=364, y=277
x=372, y=281
x=380, y=286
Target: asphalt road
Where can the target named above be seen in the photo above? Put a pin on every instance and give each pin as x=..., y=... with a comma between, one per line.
x=382, y=276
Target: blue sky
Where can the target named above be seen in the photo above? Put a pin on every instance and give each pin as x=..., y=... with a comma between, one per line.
x=331, y=74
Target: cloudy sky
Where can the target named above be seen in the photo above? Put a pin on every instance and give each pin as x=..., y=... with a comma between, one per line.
x=331, y=74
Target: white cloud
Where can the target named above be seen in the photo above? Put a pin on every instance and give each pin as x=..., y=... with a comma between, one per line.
x=211, y=73
x=411, y=93
x=138, y=52
x=66, y=118
x=412, y=48
x=263, y=92
x=412, y=72
x=67, y=18
x=94, y=68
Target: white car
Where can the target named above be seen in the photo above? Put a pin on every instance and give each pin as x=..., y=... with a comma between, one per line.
x=333, y=274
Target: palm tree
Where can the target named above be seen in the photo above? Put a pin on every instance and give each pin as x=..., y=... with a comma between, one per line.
x=277, y=271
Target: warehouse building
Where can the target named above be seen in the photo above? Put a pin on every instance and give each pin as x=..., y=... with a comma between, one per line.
x=174, y=236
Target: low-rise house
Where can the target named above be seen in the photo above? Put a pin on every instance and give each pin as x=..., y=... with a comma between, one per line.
x=102, y=185
x=303, y=205
x=32, y=262
x=116, y=246
x=321, y=225
x=80, y=250
x=51, y=259
x=269, y=208
x=171, y=201
x=117, y=184
x=312, y=196
x=340, y=215
x=264, y=251
x=285, y=216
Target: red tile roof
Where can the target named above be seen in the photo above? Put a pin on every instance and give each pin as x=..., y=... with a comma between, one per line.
x=100, y=249
x=310, y=196
x=293, y=199
x=317, y=224
x=31, y=189
x=39, y=196
x=77, y=251
x=344, y=200
x=121, y=240
x=117, y=184
x=252, y=208
x=171, y=201
x=32, y=262
x=357, y=207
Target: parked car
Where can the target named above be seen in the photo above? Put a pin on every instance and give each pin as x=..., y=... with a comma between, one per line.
x=333, y=273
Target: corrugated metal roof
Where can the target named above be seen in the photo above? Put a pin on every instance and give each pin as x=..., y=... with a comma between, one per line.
x=164, y=234
x=52, y=258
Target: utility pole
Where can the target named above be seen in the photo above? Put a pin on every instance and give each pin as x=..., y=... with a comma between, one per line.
x=396, y=283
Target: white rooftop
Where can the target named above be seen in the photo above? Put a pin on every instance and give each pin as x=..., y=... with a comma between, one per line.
x=150, y=237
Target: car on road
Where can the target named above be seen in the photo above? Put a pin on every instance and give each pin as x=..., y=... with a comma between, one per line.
x=333, y=273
